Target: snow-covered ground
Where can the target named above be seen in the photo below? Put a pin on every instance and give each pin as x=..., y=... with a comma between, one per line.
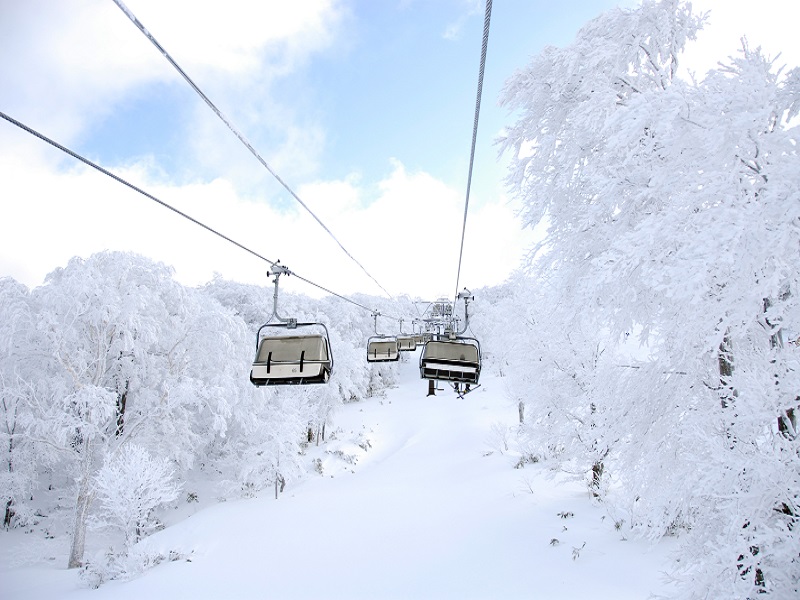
x=432, y=508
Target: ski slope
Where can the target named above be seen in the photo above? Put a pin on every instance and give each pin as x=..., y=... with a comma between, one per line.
x=431, y=509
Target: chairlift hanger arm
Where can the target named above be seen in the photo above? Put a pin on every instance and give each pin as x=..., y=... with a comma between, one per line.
x=466, y=296
x=276, y=270
x=376, y=314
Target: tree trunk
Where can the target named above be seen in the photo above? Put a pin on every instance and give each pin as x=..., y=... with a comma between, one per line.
x=280, y=484
x=82, y=504
x=521, y=409
x=79, y=529
x=725, y=360
x=597, y=476
x=122, y=401
x=598, y=468
x=9, y=513
x=787, y=423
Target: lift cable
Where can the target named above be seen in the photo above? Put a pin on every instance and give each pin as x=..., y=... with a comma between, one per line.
x=239, y=135
x=119, y=179
x=486, y=21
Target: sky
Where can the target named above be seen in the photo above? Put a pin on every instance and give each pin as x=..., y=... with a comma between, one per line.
x=363, y=107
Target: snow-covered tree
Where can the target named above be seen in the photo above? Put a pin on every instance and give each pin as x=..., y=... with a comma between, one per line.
x=130, y=486
x=672, y=211
x=112, y=362
x=20, y=356
x=134, y=357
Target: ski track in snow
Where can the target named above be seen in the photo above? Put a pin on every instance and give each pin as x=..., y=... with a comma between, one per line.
x=430, y=511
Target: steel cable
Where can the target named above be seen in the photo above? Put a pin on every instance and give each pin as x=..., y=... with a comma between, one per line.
x=119, y=179
x=484, y=45
x=241, y=137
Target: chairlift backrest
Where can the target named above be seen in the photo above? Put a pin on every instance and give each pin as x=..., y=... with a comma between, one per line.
x=452, y=350
x=289, y=347
x=382, y=349
x=292, y=360
x=406, y=343
x=457, y=360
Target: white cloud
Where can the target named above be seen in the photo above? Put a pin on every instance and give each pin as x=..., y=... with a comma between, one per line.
x=407, y=238
x=76, y=62
x=69, y=66
x=470, y=8
x=232, y=36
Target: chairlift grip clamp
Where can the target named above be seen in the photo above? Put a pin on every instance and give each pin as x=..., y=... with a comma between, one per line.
x=277, y=269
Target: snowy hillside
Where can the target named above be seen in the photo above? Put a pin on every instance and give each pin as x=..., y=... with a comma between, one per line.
x=433, y=508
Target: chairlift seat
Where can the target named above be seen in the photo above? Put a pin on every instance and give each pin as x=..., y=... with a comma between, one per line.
x=406, y=343
x=382, y=349
x=301, y=359
x=453, y=360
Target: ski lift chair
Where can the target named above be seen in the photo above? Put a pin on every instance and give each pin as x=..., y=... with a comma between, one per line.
x=457, y=360
x=292, y=360
x=382, y=349
x=406, y=343
x=297, y=359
